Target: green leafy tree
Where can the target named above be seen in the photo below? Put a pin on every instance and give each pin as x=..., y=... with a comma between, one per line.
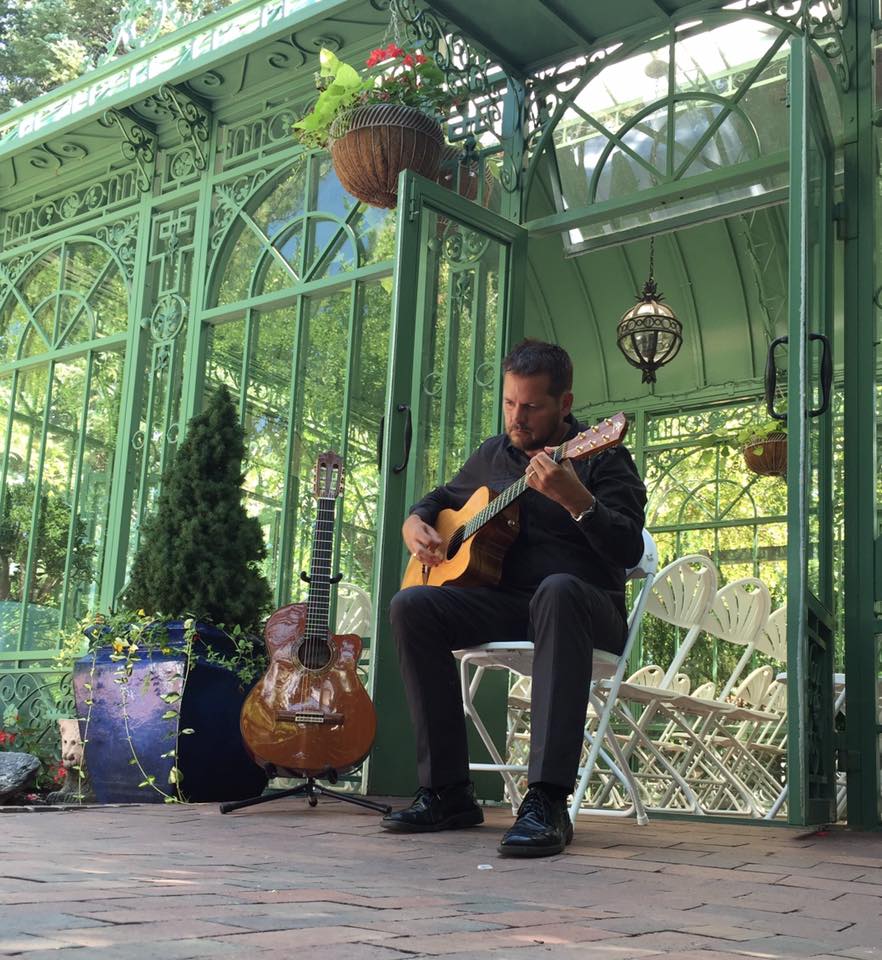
x=45, y=43
x=53, y=530
x=199, y=553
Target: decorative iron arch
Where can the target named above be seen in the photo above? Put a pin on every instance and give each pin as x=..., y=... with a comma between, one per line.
x=553, y=93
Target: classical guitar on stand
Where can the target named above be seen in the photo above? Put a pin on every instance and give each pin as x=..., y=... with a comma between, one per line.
x=309, y=715
x=475, y=537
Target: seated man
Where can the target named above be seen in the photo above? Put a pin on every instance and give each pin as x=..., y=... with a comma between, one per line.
x=562, y=586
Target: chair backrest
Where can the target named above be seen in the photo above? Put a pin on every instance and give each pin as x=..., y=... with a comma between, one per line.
x=753, y=689
x=738, y=613
x=645, y=569
x=682, y=593
x=353, y=610
x=772, y=639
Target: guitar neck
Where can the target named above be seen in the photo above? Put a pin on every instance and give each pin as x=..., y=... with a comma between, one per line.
x=318, y=603
x=508, y=496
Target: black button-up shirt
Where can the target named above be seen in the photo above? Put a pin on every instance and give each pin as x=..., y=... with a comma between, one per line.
x=598, y=549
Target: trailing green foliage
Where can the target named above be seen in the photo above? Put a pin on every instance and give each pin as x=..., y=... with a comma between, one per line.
x=407, y=79
x=199, y=553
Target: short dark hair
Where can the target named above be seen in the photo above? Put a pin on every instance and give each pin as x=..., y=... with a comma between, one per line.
x=531, y=358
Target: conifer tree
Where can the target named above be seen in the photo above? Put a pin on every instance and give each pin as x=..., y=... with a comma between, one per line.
x=199, y=552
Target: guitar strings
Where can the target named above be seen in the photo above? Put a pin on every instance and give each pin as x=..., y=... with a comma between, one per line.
x=318, y=597
x=499, y=503
x=510, y=494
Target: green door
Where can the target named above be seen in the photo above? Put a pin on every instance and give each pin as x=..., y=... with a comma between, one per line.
x=458, y=301
x=810, y=621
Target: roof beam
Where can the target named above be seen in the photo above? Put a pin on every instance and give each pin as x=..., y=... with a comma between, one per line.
x=567, y=22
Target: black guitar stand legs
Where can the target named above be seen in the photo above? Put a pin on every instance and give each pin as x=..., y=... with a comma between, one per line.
x=312, y=791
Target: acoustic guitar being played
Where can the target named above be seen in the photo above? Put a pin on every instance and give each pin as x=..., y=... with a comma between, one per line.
x=309, y=715
x=474, y=538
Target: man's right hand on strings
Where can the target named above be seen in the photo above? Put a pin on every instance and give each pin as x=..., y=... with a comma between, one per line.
x=422, y=541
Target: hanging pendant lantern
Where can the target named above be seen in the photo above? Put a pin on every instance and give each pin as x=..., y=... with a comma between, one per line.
x=649, y=334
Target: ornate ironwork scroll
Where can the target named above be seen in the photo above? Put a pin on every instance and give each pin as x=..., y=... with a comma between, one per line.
x=138, y=144
x=475, y=81
x=190, y=119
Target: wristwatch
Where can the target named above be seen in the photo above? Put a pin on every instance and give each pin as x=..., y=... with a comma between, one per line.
x=579, y=517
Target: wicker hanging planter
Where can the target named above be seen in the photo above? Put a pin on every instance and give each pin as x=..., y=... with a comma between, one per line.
x=464, y=177
x=767, y=455
x=371, y=145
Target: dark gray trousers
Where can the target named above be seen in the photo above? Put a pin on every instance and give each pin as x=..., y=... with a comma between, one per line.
x=565, y=618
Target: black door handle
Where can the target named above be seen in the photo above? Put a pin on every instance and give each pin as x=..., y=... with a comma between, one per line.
x=408, y=437
x=826, y=374
x=771, y=379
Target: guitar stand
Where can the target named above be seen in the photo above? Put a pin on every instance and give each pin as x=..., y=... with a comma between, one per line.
x=312, y=791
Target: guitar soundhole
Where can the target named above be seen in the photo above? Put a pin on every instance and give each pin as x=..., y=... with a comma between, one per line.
x=314, y=653
x=455, y=543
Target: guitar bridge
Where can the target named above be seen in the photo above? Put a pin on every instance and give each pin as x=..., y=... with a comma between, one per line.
x=308, y=716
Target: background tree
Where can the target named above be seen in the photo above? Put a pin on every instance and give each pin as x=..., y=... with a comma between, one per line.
x=45, y=43
x=199, y=553
x=51, y=547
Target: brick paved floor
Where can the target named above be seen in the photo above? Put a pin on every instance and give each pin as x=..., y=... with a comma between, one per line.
x=283, y=879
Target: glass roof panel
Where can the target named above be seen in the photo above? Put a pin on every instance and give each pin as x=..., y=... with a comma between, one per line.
x=641, y=123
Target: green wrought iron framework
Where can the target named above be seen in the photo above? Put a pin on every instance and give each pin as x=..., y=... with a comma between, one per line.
x=183, y=240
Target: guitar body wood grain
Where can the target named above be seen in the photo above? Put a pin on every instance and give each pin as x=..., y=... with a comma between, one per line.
x=478, y=561
x=306, y=721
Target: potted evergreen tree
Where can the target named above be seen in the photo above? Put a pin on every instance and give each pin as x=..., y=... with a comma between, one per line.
x=159, y=694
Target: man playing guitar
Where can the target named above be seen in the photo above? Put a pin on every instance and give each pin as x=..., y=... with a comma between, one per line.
x=561, y=586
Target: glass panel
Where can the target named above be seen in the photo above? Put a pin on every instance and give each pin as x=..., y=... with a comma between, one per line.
x=320, y=397
x=815, y=210
x=268, y=378
x=93, y=495
x=367, y=399
x=52, y=532
x=268, y=213
x=603, y=153
x=13, y=323
x=460, y=386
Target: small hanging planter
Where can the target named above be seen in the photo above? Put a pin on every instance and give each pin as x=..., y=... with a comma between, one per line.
x=464, y=177
x=371, y=145
x=767, y=455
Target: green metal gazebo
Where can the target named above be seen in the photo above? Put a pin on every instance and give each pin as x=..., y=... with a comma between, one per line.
x=161, y=231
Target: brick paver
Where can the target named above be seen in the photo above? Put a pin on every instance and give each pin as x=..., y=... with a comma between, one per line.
x=184, y=883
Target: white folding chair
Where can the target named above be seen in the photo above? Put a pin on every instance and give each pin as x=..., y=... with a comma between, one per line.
x=682, y=593
x=353, y=610
x=737, y=615
x=608, y=669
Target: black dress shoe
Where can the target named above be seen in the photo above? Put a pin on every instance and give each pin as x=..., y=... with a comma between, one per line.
x=542, y=828
x=446, y=809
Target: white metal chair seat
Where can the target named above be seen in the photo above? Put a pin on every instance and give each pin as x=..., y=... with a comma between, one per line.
x=516, y=656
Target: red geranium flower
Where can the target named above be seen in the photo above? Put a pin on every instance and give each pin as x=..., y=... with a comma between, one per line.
x=394, y=51
x=408, y=61
x=421, y=58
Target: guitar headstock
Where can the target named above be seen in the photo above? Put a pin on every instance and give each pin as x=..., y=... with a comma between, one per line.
x=328, y=482
x=608, y=433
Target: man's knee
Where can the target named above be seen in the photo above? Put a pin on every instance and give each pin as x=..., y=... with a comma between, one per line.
x=561, y=588
x=409, y=606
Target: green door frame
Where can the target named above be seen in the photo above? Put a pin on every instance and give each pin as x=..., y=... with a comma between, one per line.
x=391, y=768
x=810, y=622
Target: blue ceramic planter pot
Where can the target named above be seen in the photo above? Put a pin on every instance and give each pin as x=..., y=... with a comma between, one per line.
x=212, y=759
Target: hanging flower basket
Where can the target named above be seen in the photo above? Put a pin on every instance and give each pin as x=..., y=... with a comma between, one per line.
x=464, y=177
x=371, y=145
x=767, y=455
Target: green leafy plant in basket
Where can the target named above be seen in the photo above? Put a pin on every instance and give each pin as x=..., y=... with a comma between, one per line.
x=379, y=120
x=764, y=447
